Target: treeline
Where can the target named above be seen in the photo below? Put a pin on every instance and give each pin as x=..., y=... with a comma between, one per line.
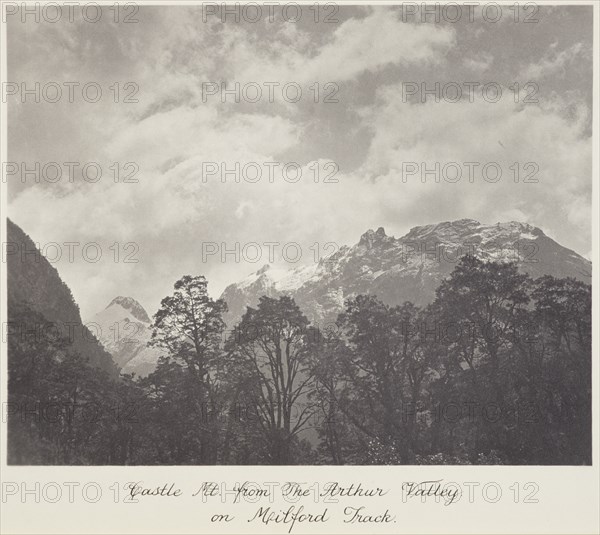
x=497, y=370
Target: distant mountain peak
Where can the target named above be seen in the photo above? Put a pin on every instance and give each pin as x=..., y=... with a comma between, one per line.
x=132, y=306
x=263, y=269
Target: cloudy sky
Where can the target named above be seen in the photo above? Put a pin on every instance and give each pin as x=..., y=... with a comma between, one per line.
x=371, y=57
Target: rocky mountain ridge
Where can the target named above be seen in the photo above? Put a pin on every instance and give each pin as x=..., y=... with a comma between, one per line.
x=409, y=268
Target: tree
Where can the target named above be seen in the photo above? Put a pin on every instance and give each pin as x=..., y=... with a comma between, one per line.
x=272, y=345
x=374, y=372
x=482, y=299
x=188, y=328
x=563, y=389
x=62, y=410
x=481, y=304
x=189, y=325
x=329, y=396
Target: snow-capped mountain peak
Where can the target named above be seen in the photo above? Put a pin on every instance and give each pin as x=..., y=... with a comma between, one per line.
x=408, y=268
x=131, y=306
x=124, y=329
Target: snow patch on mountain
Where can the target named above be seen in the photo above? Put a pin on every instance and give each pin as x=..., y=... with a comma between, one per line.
x=280, y=279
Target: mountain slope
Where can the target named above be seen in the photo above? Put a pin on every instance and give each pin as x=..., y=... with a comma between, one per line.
x=409, y=268
x=34, y=283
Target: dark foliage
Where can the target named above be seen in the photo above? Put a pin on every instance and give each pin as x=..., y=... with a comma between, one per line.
x=497, y=370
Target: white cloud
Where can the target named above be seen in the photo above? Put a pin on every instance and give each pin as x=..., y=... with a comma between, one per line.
x=171, y=133
x=552, y=63
x=479, y=63
x=503, y=133
x=357, y=46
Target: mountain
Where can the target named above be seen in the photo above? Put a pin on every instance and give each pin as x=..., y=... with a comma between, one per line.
x=124, y=331
x=34, y=285
x=409, y=268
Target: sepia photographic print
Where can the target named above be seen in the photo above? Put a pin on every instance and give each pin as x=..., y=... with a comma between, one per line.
x=318, y=238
